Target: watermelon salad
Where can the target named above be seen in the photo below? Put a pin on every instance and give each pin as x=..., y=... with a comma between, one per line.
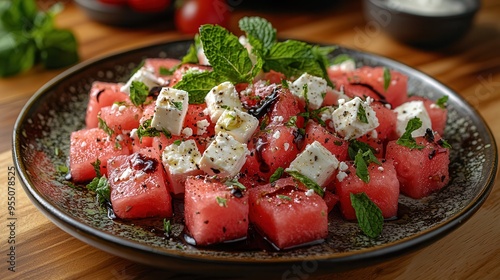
x=254, y=133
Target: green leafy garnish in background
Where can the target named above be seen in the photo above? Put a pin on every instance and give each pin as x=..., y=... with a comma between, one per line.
x=369, y=216
x=28, y=36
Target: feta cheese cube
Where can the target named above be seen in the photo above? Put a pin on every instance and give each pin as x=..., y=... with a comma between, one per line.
x=220, y=98
x=170, y=111
x=145, y=76
x=408, y=111
x=354, y=118
x=345, y=66
x=311, y=87
x=180, y=161
x=239, y=124
x=224, y=156
x=315, y=162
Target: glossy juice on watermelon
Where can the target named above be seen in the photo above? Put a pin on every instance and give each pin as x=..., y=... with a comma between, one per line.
x=214, y=211
x=138, y=186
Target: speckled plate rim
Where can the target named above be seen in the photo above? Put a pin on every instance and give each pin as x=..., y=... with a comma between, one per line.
x=183, y=262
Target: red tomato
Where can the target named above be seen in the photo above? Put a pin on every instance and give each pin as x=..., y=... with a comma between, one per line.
x=193, y=13
x=149, y=6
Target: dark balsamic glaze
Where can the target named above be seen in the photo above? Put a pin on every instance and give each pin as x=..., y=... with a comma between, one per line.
x=263, y=107
x=144, y=163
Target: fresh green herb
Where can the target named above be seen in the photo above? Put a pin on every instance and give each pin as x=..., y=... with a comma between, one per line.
x=443, y=143
x=221, y=201
x=310, y=184
x=361, y=115
x=177, y=142
x=177, y=105
x=104, y=126
x=146, y=130
x=363, y=155
x=387, y=78
x=361, y=167
x=198, y=84
x=263, y=123
x=97, y=167
x=138, y=92
x=369, y=216
x=258, y=29
x=406, y=139
x=292, y=121
x=62, y=169
x=192, y=54
x=276, y=175
x=284, y=84
x=442, y=102
x=164, y=71
x=284, y=197
x=234, y=183
x=29, y=35
x=167, y=227
x=100, y=186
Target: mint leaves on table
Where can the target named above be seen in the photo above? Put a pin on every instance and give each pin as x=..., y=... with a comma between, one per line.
x=28, y=36
x=232, y=62
x=369, y=216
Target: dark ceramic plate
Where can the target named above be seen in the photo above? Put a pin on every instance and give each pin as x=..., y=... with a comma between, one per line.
x=41, y=141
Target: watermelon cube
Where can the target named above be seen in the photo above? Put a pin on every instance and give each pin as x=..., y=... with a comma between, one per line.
x=288, y=214
x=437, y=114
x=213, y=211
x=332, y=142
x=102, y=94
x=420, y=171
x=382, y=188
x=87, y=146
x=138, y=188
x=121, y=117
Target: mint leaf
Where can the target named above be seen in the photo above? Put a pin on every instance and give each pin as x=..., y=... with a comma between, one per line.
x=292, y=58
x=235, y=184
x=198, y=84
x=221, y=201
x=387, y=78
x=321, y=54
x=167, y=227
x=441, y=102
x=276, y=175
x=406, y=139
x=361, y=114
x=101, y=187
x=259, y=29
x=369, y=216
x=104, y=126
x=225, y=53
x=97, y=167
x=138, y=93
x=361, y=167
x=146, y=130
x=284, y=197
x=341, y=58
x=362, y=154
x=310, y=184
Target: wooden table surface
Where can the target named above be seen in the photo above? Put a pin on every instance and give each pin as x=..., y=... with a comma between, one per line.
x=471, y=67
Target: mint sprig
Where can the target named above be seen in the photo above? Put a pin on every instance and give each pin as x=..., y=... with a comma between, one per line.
x=308, y=182
x=363, y=155
x=369, y=216
x=406, y=139
x=198, y=84
x=138, y=92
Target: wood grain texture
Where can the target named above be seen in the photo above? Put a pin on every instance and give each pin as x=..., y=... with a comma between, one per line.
x=470, y=67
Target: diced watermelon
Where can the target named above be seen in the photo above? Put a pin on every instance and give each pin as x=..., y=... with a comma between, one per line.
x=102, y=94
x=253, y=94
x=121, y=117
x=214, y=212
x=420, y=171
x=138, y=189
x=382, y=188
x=387, y=120
x=286, y=106
x=198, y=120
x=286, y=215
x=437, y=114
x=89, y=145
x=335, y=144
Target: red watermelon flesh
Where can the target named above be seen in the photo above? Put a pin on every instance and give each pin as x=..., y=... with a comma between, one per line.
x=102, y=94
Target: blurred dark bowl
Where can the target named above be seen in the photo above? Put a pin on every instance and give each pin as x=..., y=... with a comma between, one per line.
x=420, y=29
x=122, y=16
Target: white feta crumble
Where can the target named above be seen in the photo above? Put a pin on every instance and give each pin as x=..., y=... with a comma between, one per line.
x=237, y=123
x=315, y=162
x=286, y=146
x=347, y=121
x=187, y=131
x=202, y=127
x=341, y=175
x=170, y=111
x=309, y=192
x=345, y=66
x=220, y=98
x=276, y=134
x=409, y=110
x=310, y=88
x=343, y=166
x=224, y=156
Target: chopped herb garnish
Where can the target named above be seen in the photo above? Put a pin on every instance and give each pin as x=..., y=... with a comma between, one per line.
x=177, y=142
x=292, y=121
x=164, y=71
x=192, y=54
x=442, y=102
x=443, y=143
x=104, y=126
x=235, y=184
x=363, y=155
x=100, y=186
x=62, y=169
x=341, y=58
x=276, y=175
x=138, y=92
x=167, y=227
x=221, y=201
x=284, y=197
x=310, y=184
x=198, y=84
x=97, y=167
x=361, y=167
x=177, y=105
x=369, y=216
x=361, y=115
x=406, y=139
x=146, y=130
x=387, y=78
